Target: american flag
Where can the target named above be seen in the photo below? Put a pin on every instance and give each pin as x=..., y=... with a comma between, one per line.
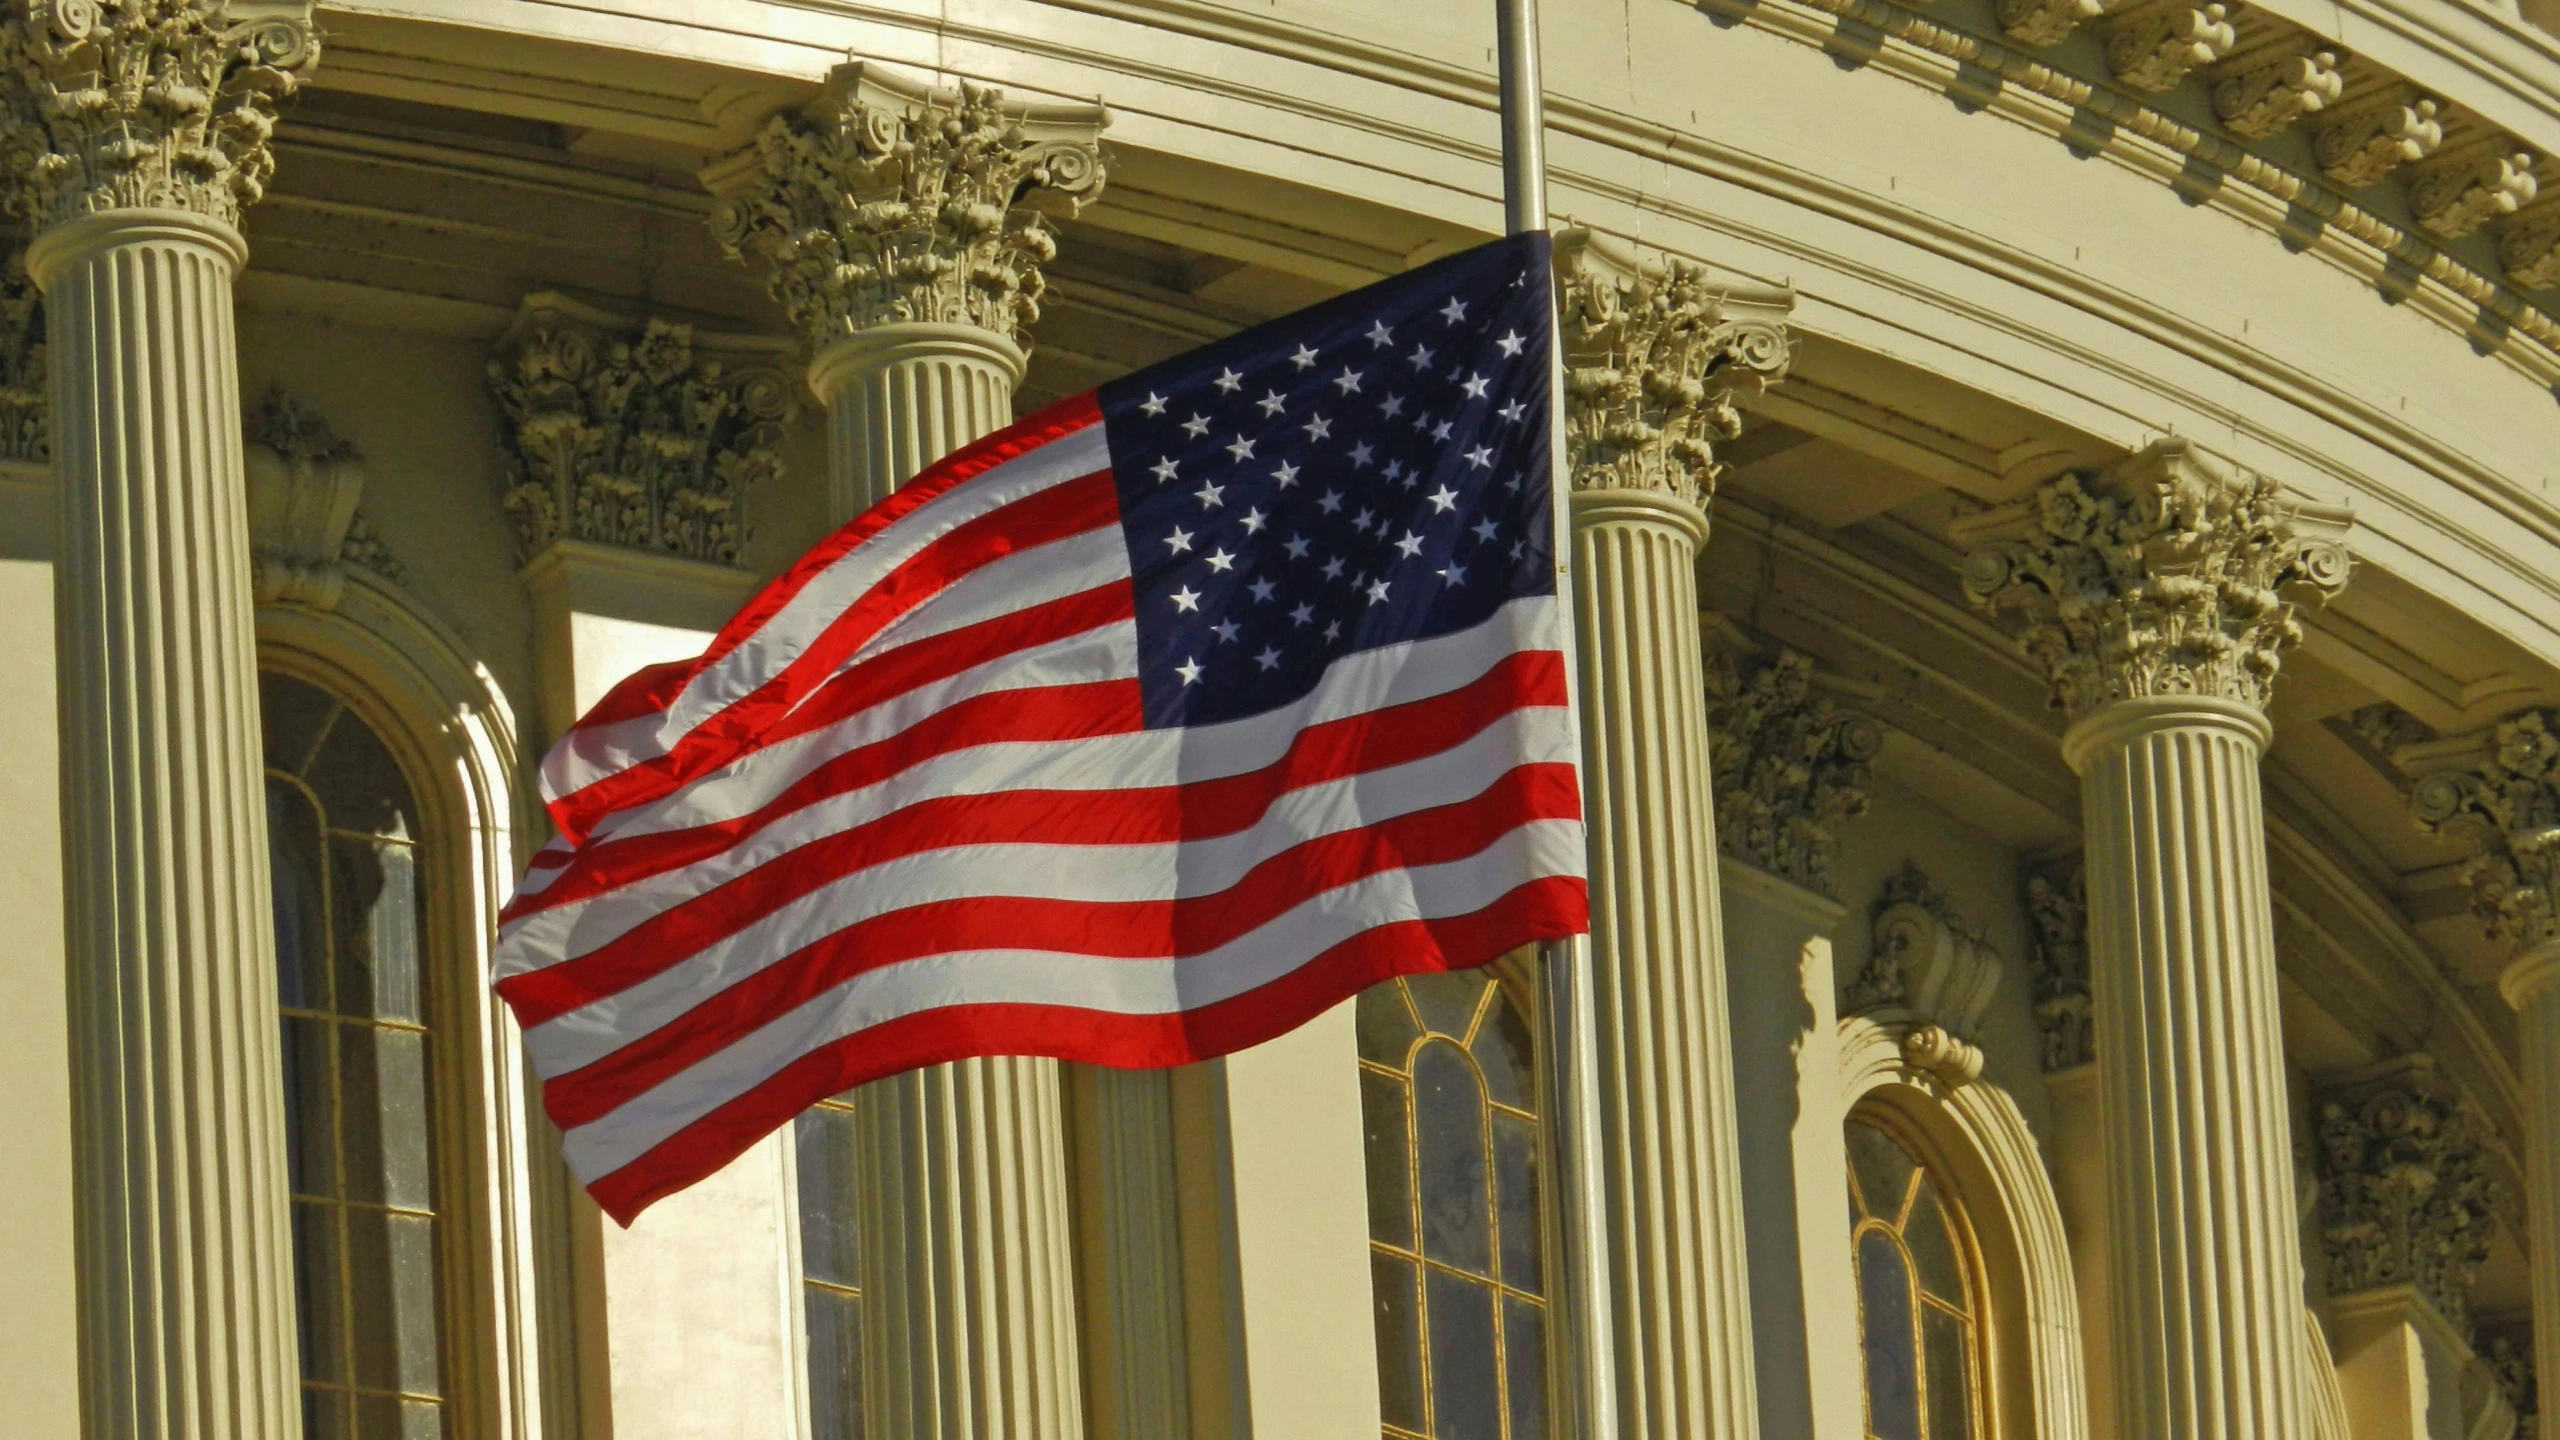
x=1137, y=733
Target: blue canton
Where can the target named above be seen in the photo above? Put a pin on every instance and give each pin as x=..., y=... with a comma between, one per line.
x=1369, y=471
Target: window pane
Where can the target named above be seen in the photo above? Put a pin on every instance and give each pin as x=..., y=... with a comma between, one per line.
x=290, y=714
x=374, y=902
x=1449, y=1137
x=394, y=1323
x=1933, y=1248
x=1387, y=1146
x=310, y=1106
x=1466, y=1394
x=1887, y=1334
x=299, y=887
x=359, y=784
x=421, y=1420
x=829, y=1246
x=1385, y=1026
x=1515, y=1154
x=1503, y=1048
x=1524, y=1347
x=327, y=1415
x=317, y=1297
x=835, y=1364
x=1949, y=1343
x=1393, y=1286
x=1447, y=1001
x=1881, y=1169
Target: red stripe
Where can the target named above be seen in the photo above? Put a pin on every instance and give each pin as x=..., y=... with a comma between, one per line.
x=1539, y=910
x=1084, y=504
x=1154, y=815
x=1052, y=712
x=1143, y=929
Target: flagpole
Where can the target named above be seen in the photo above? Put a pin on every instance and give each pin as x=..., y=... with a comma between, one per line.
x=1582, y=1365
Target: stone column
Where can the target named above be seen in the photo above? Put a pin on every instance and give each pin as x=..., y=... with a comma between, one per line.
x=2159, y=611
x=904, y=228
x=1648, y=356
x=140, y=136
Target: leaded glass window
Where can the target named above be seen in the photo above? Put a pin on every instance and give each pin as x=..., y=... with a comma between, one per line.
x=830, y=1290
x=359, y=1083
x=1448, y=1091
x=1919, y=1299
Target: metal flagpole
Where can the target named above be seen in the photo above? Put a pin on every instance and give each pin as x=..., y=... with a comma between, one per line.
x=1583, y=1370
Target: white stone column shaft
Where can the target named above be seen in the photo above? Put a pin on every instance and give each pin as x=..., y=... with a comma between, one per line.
x=1135, y=1338
x=902, y=396
x=2203, y=1258
x=2532, y=986
x=184, y=1253
x=1666, y=1052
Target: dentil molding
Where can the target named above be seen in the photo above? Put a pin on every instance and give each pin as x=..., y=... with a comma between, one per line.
x=885, y=200
x=2165, y=576
x=162, y=104
x=1790, y=767
x=2409, y=1188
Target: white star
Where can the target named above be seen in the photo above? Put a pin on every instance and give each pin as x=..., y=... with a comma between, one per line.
x=1269, y=659
x=1297, y=547
x=1360, y=454
x=1287, y=474
x=1178, y=541
x=1165, y=468
x=1512, y=484
x=1511, y=343
x=1263, y=590
x=1454, y=311
x=1220, y=561
x=1443, y=500
x=1456, y=574
x=1395, y=469
x=1392, y=406
x=1305, y=359
x=1348, y=382
x=1411, y=544
x=1154, y=405
x=1242, y=449
x=1421, y=421
x=1209, y=496
x=1254, y=520
x=1362, y=519
x=1225, y=629
x=1481, y=457
x=1303, y=614
x=1513, y=411
x=1186, y=600
x=1230, y=382
x=1421, y=357
x=1271, y=403
x=1189, y=670
x=1518, y=546
x=1333, y=630
x=1333, y=568
x=1377, y=591
x=1440, y=431
x=1475, y=387
x=1196, y=426
x=1318, y=428
x=1380, y=336
x=1330, y=502
x=1486, y=530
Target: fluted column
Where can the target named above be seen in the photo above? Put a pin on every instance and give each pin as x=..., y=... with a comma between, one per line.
x=2532, y=985
x=1640, y=421
x=904, y=229
x=2157, y=596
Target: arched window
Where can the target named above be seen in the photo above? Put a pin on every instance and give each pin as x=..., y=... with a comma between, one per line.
x=1920, y=1305
x=1448, y=1091
x=830, y=1256
x=359, y=1070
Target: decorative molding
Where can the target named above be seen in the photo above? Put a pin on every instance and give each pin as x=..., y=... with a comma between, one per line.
x=2509, y=1355
x=2529, y=249
x=161, y=104
x=2163, y=576
x=2152, y=47
x=304, y=529
x=1929, y=962
x=1653, y=357
x=2058, y=917
x=2361, y=147
x=2506, y=811
x=2286, y=85
x=26, y=401
x=2455, y=197
x=637, y=434
x=2408, y=1195
x=2045, y=22
x=2386, y=727
x=887, y=201
x=1789, y=768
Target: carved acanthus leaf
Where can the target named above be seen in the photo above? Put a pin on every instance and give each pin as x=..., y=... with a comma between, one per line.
x=1790, y=767
x=303, y=484
x=26, y=405
x=1928, y=961
x=2154, y=46
x=118, y=104
x=2163, y=576
x=2360, y=148
x=2509, y=1355
x=2457, y=197
x=635, y=437
x=2529, y=249
x=2263, y=99
x=2045, y=22
x=2058, y=914
x=1653, y=359
x=2408, y=1194
x=2506, y=811
x=883, y=203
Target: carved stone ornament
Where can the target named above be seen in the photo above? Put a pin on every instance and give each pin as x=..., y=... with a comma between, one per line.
x=304, y=529
x=2529, y=249
x=635, y=435
x=2045, y=22
x=2360, y=148
x=2460, y=196
x=118, y=104
x=2407, y=1192
x=1928, y=960
x=1789, y=768
x=2163, y=576
x=886, y=202
x=26, y=400
x=2264, y=98
x=2506, y=811
x=2153, y=47
x=2058, y=915
x=2509, y=1355
x=1654, y=356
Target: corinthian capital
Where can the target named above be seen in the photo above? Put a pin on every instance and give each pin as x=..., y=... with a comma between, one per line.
x=165, y=104
x=2410, y=1187
x=1653, y=358
x=885, y=201
x=1790, y=768
x=2163, y=576
x=2506, y=807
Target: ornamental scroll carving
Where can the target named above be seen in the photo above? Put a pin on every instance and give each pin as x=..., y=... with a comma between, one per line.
x=1790, y=768
x=26, y=404
x=304, y=528
x=2408, y=1193
x=1654, y=357
x=884, y=202
x=2506, y=810
x=1931, y=963
x=2058, y=917
x=2163, y=576
x=117, y=104
x=643, y=437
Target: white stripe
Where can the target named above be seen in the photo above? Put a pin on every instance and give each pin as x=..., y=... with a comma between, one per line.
x=589, y=753
x=1113, y=986
x=1101, y=873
